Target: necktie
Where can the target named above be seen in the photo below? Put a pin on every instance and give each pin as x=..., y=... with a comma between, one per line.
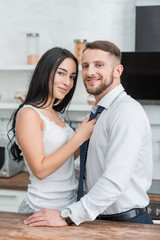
x=83, y=156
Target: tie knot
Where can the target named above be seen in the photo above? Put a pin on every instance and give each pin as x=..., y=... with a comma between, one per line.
x=94, y=115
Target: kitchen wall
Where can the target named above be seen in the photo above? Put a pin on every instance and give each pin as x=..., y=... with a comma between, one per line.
x=59, y=22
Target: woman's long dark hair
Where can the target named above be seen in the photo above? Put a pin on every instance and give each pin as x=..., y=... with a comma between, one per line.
x=38, y=91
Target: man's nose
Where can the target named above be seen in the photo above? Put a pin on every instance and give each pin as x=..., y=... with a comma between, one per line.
x=90, y=70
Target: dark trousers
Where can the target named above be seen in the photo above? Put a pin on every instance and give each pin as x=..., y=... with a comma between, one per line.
x=143, y=218
x=136, y=215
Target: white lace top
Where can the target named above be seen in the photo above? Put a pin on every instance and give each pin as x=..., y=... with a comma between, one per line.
x=58, y=189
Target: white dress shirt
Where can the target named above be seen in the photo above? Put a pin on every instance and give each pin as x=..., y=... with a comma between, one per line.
x=119, y=159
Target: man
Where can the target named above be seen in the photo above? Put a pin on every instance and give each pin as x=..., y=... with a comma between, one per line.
x=119, y=158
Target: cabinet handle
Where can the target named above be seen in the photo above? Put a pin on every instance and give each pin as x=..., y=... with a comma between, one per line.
x=8, y=196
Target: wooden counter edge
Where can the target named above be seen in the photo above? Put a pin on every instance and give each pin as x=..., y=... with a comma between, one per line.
x=154, y=197
x=19, y=181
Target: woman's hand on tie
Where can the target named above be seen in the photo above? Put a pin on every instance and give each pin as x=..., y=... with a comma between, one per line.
x=85, y=129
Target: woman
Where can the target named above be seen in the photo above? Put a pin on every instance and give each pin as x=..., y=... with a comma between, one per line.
x=42, y=138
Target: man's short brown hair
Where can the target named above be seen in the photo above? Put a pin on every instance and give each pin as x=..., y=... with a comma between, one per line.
x=105, y=46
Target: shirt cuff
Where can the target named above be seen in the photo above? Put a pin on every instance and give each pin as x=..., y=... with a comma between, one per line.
x=79, y=213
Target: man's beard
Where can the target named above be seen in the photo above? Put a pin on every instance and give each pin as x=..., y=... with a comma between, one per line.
x=100, y=89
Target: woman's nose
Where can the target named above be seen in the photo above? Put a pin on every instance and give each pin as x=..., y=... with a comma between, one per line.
x=67, y=81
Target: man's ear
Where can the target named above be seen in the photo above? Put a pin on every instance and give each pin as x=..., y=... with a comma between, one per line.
x=118, y=71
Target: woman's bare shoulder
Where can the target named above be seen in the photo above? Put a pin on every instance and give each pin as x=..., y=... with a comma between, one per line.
x=28, y=113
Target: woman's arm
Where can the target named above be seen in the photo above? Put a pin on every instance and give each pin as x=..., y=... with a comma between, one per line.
x=76, y=153
x=29, y=133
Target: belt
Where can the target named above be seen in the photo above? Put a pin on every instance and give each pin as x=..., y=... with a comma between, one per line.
x=124, y=215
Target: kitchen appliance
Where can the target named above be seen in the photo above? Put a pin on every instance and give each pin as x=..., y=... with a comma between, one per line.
x=154, y=205
x=8, y=167
x=147, y=28
x=141, y=76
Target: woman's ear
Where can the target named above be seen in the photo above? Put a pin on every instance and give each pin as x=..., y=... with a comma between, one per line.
x=118, y=71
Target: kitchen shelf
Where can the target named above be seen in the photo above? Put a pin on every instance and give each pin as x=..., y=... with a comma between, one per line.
x=8, y=106
x=21, y=67
x=72, y=107
x=80, y=107
x=17, y=67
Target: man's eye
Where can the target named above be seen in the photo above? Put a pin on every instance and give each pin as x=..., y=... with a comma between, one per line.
x=99, y=65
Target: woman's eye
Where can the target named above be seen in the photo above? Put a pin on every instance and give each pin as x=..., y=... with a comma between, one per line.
x=72, y=77
x=61, y=73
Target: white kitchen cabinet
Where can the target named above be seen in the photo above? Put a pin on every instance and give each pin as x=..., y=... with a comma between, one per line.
x=10, y=199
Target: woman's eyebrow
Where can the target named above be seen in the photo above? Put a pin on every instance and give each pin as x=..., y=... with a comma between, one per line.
x=63, y=69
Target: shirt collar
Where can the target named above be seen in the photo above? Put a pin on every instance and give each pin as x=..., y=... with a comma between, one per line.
x=107, y=100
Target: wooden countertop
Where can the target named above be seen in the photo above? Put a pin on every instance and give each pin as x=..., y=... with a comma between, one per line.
x=12, y=227
x=19, y=181
x=154, y=197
